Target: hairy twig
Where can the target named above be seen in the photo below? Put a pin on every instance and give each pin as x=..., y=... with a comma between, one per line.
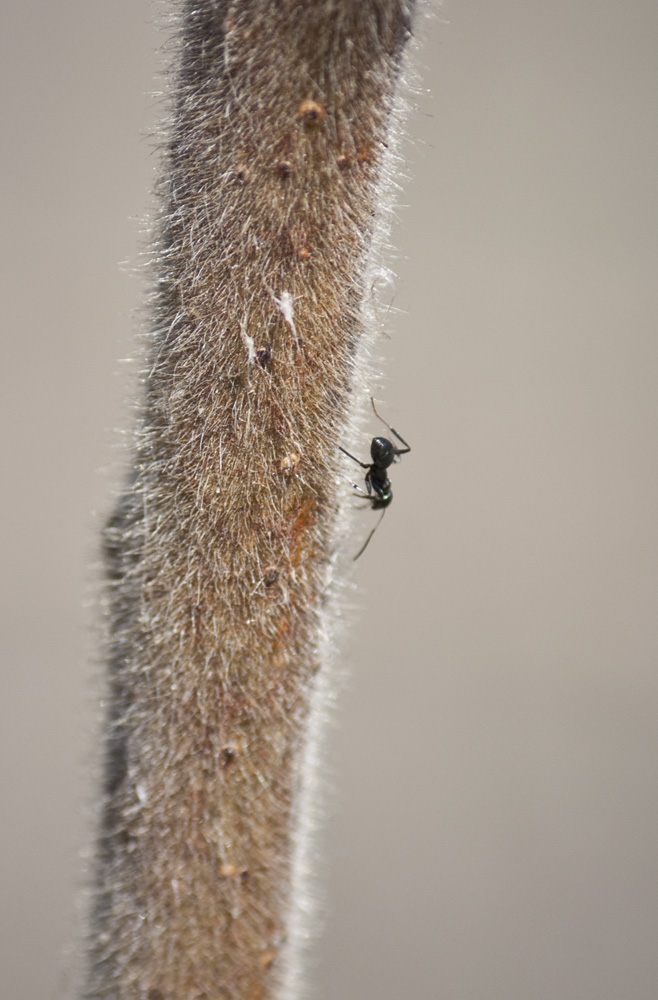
x=221, y=550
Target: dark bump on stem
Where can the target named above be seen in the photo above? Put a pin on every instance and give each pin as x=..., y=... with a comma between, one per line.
x=227, y=757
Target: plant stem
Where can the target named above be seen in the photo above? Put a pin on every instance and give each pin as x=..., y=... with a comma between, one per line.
x=221, y=549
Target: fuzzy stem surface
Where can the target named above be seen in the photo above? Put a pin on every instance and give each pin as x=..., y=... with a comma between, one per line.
x=220, y=551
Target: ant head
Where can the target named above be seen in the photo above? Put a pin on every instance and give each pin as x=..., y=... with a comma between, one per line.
x=382, y=452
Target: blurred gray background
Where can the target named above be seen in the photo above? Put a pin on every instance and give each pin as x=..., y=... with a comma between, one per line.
x=494, y=830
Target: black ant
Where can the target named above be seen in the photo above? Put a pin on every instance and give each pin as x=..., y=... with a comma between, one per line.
x=378, y=490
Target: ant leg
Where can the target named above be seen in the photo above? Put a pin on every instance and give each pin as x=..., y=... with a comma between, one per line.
x=364, y=493
x=365, y=544
x=367, y=494
x=364, y=465
x=398, y=451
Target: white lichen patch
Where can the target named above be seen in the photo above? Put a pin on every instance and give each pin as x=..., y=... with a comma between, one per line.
x=248, y=342
x=286, y=305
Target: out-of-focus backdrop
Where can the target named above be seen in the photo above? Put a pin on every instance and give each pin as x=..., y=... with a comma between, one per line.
x=493, y=832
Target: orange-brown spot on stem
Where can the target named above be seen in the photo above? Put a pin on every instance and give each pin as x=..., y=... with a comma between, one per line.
x=289, y=463
x=233, y=871
x=299, y=240
x=298, y=529
x=267, y=957
x=310, y=112
x=280, y=638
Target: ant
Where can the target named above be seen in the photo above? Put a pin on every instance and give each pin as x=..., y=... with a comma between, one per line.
x=378, y=486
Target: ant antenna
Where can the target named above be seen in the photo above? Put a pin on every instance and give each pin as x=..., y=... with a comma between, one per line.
x=393, y=431
x=374, y=409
